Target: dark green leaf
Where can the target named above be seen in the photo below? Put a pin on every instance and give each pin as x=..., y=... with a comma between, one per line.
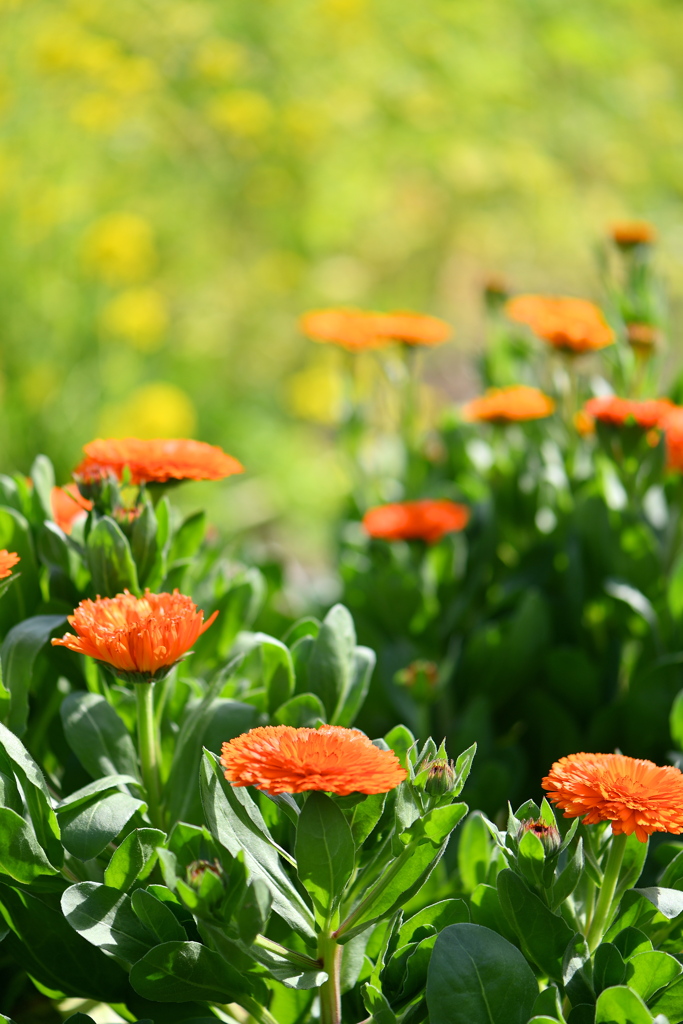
x=88, y=829
x=377, y=1006
x=105, y=918
x=542, y=935
x=24, y=594
x=302, y=711
x=609, y=968
x=365, y=816
x=156, y=916
x=97, y=736
x=110, y=560
x=275, y=669
x=21, y=855
x=134, y=859
x=325, y=853
x=178, y=971
x=83, y=795
x=351, y=702
x=19, y=651
x=143, y=543
x=43, y=818
x=43, y=475
x=436, y=917
x=477, y=977
x=331, y=665
x=474, y=851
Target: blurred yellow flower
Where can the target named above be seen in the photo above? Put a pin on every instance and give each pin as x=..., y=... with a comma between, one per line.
x=158, y=409
x=218, y=59
x=139, y=315
x=98, y=112
x=119, y=248
x=316, y=393
x=241, y=112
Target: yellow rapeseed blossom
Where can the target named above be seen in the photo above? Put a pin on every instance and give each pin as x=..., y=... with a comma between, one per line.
x=119, y=248
x=139, y=315
x=316, y=393
x=241, y=112
x=158, y=409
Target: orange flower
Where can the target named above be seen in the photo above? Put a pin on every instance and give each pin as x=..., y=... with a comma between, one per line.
x=509, y=405
x=624, y=412
x=585, y=426
x=428, y=520
x=8, y=559
x=68, y=506
x=672, y=426
x=155, y=461
x=574, y=325
x=357, y=330
x=634, y=795
x=282, y=759
x=642, y=337
x=628, y=233
x=140, y=638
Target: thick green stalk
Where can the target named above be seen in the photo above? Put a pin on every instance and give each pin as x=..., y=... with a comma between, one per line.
x=147, y=749
x=603, y=907
x=258, y=1012
x=330, y=952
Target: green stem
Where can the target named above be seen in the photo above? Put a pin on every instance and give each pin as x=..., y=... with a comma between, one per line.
x=376, y=891
x=300, y=959
x=330, y=953
x=603, y=907
x=258, y=1012
x=147, y=748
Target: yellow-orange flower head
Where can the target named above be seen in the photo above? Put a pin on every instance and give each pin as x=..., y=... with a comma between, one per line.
x=573, y=325
x=623, y=412
x=355, y=329
x=154, y=461
x=509, y=405
x=139, y=638
x=282, y=759
x=627, y=233
x=634, y=795
x=8, y=559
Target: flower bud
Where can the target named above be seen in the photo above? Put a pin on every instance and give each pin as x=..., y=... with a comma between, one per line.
x=195, y=872
x=548, y=834
x=441, y=777
x=421, y=679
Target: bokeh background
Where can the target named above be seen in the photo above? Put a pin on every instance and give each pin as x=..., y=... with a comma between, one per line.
x=180, y=179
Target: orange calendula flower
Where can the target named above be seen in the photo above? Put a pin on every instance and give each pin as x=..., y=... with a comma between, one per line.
x=628, y=233
x=68, y=506
x=155, y=461
x=140, y=638
x=642, y=337
x=672, y=426
x=8, y=559
x=428, y=520
x=509, y=405
x=573, y=325
x=282, y=759
x=634, y=795
x=355, y=329
x=625, y=412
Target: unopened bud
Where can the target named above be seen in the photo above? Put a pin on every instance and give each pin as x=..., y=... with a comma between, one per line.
x=548, y=834
x=440, y=778
x=196, y=871
x=421, y=678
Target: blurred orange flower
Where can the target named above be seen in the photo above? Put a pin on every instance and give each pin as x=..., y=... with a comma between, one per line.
x=68, y=506
x=573, y=325
x=628, y=233
x=509, y=405
x=672, y=426
x=141, y=638
x=355, y=329
x=155, y=461
x=428, y=520
x=8, y=559
x=282, y=759
x=634, y=795
x=642, y=336
x=620, y=412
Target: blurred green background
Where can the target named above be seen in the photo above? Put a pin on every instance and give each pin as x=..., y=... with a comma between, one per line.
x=180, y=179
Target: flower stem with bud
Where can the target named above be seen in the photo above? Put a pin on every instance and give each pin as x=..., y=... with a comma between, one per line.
x=148, y=750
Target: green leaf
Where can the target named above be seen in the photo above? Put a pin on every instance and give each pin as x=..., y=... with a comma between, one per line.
x=83, y=795
x=609, y=968
x=21, y=855
x=275, y=670
x=365, y=816
x=434, y=918
x=668, y=902
x=477, y=977
x=325, y=853
x=648, y=972
x=302, y=711
x=235, y=821
x=474, y=851
x=463, y=766
x=88, y=829
x=54, y=954
x=156, y=916
x=568, y=879
x=105, y=918
x=178, y=971
x=143, y=543
x=542, y=935
x=351, y=702
x=43, y=475
x=24, y=594
x=332, y=664
x=97, y=736
x=675, y=592
x=676, y=715
x=486, y=910
x=531, y=858
x=377, y=1006
x=670, y=1001
x=134, y=859
x=17, y=760
x=19, y=651
x=110, y=560
x=619, y=1005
